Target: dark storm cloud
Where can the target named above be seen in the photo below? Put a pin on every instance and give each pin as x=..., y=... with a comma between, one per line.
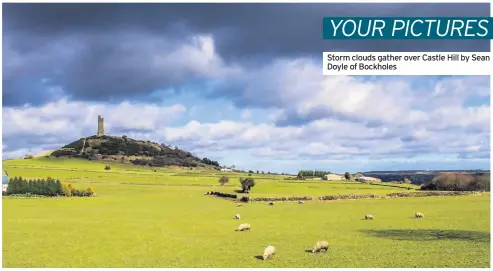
x=241, y=29
x=94, y=65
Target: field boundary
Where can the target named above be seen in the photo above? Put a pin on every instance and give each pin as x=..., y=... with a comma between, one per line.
x=344, y=197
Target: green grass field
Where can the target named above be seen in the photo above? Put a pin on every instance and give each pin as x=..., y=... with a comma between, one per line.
x=142, y=218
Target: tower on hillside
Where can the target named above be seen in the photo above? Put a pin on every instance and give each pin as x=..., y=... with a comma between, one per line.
x=100, y=126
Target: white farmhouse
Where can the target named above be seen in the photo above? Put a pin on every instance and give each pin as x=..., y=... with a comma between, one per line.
x=226, y=169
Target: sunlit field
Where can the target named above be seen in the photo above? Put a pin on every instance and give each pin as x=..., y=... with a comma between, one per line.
x=142, y=218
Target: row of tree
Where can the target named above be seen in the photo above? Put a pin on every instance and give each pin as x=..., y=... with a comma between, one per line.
x=312, y=173
x=44, y=187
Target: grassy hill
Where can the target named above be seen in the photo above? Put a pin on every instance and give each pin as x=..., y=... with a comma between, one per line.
x=127, y=150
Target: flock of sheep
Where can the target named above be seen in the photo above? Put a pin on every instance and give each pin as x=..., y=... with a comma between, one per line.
x=270, y=251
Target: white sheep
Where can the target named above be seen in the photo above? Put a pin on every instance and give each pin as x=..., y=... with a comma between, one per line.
x=419, y=215
x=369, y=217
x=321, y=245
x=243, y=227
x=238, y=205
x=237, y=216
x=301, y=202
x=269, y=252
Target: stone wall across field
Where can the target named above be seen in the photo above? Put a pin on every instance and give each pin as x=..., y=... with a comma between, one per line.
x=343, y=197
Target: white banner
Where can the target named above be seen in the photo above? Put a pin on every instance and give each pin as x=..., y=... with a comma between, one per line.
x=368, y=63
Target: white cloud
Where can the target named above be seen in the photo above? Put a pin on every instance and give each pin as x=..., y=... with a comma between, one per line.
x=301, y=93
x=324, y=139
x=198, y=56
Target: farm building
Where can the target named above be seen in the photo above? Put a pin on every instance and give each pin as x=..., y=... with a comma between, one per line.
x=333, y=177
x=226, y=169
x=5, y=181
x=369, y=180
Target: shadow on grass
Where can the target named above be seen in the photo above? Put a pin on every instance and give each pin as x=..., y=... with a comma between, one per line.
x=430, y=235
x=308, y=251
x=259, y=257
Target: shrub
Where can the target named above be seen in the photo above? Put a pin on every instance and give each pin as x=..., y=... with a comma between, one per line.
x=223, y=180
x=67, y=190
x=90, y=191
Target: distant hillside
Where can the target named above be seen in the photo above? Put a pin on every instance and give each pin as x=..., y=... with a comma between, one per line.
x=417, y=176
x=128, y=150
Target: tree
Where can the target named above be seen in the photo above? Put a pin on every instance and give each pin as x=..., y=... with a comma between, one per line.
x=458, y=182
x=23, y=186
x=348, y=176
x=59, y=188
x=247, y=184
x=13, y=186
x=50, y=187
x=223, y=180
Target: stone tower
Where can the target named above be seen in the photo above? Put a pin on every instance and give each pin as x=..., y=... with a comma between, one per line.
x=100, y=126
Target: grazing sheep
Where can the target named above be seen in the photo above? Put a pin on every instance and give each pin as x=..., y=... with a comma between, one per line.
x=271, y=203
x=321, y=245
x=239, y=205
x=368, y=217
x=301, y=202
x=419, y=215
x=237, y=216
x=269, y=252
x=243, y=227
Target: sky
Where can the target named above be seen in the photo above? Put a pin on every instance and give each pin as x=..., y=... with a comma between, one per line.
x=238, y=83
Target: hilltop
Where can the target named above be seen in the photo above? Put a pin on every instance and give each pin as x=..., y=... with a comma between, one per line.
x=127, y=150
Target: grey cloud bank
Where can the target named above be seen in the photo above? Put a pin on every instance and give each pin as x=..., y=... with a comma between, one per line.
x=121, y=47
